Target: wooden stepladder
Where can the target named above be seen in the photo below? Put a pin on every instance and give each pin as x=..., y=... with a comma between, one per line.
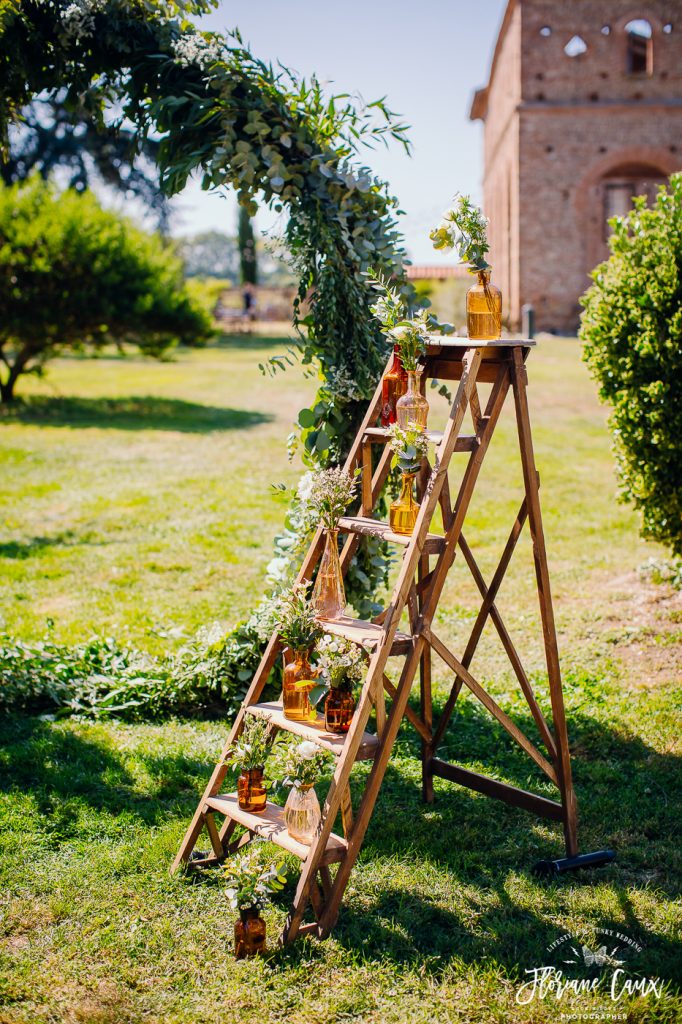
x=426, y=560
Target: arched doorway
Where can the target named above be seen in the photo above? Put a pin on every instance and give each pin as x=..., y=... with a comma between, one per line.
x=608, y=190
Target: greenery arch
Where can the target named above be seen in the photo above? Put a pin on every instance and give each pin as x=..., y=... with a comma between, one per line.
x=241, y=123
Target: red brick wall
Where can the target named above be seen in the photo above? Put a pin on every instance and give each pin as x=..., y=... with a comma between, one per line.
x=555, y=126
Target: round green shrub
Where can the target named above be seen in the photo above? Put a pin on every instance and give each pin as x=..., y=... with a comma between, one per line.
x=632, y=330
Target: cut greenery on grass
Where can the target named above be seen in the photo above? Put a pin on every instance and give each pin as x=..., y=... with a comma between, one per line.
x=124, y=513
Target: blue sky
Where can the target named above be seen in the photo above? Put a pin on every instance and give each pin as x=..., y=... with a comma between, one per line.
x=426, y=56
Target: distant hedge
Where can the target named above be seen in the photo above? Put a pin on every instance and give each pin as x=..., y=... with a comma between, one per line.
x=632, y=330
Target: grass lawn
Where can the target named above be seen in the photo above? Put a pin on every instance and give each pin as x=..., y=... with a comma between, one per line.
x=137, y=502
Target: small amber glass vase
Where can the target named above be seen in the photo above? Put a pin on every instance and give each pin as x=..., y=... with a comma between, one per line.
x=249, y=934
x=338, y=710
x=298, y=680
x=393, y=387
x=413, y=407
x=251, y=793
x=329, y=596
x=403, y=513
x=302, y=814
x=484, y=309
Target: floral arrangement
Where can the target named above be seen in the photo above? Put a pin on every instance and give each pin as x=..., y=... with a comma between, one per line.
x=409, y=334
x=328, y=495
x=341, y=662
x=294, y=618
x=409, y=445
x=250, y=882
x=303, y=763
x=464, y=228
x=253, y=745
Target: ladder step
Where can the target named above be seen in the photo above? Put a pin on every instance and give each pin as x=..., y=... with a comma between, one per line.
x=367, y=634
x=375, y=528
x=464, y=443
x=270, y=825
x=314, y=731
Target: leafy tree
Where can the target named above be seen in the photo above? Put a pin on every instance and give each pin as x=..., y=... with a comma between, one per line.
x=248, y=265
x=72, y=136
x=210, y=254
x=73, y=274
x=632, y=329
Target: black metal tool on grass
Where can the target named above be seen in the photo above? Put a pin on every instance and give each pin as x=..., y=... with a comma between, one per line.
x=549, y=868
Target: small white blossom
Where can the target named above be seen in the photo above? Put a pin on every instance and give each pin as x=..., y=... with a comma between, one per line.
x=193, y=48
x=307, y=749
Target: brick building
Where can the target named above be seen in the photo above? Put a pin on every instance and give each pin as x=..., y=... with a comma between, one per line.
x=583, y=109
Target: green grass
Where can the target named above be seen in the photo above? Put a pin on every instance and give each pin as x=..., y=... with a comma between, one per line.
x=139, y=502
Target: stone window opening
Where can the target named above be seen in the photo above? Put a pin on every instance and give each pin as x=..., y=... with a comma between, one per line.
x=639, y=58
x=606, y=30
x=667, y=28
x=546, y=31
x=575, y=46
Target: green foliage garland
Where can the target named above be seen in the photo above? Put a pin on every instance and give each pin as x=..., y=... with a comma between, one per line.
x=238, y=122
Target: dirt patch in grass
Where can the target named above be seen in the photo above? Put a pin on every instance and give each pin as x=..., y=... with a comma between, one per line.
x=643, y=625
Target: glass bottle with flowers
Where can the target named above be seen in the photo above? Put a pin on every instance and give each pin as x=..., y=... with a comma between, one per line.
x=342, y=665
x=248, y=755
x=389, y=309
x=409, y=334
x=294, y=618
x=331, y=492
x=464, y=228
x=250, y=883
x=409, y=445
x=302, y=765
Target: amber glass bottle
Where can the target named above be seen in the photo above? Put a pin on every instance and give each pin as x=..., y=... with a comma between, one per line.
x=484, y=309
x=251, y=793
x=413, y=407
x=249, y=934
x=298, y=680
x=338, y=710
x=403, y=513
x=329, y=597
x=393, y=386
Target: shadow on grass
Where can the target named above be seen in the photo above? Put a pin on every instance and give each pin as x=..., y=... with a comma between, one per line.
x=137, y=412
x=478, y=851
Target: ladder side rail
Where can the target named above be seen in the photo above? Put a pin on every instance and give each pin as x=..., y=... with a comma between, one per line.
x=470, y=364
x=530, y=479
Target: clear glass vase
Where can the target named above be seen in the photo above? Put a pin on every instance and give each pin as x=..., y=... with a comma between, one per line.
x=298, y=679
x=302, y=814
x=329, y=596
x=413, y=407
x=403, y=513
x=338, y=710
x=393, y=387
x=484, y=309
x=249, y=934
x=251, y=794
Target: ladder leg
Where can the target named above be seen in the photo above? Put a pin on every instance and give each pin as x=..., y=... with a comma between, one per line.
x=530, y=479
x=426, y=706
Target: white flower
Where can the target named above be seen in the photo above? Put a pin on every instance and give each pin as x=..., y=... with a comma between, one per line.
x=305, y=486
x=307, y=750
x=193, y=48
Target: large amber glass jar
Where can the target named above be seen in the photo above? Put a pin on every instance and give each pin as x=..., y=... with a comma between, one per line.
x=393, y=387
x=302, y=813
x=298, y=680
x=403, y=513
x=484, y=309
x=249, y=934
x=338, y=710
x=329, y=596
x=251, y=793
x=413, y=407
